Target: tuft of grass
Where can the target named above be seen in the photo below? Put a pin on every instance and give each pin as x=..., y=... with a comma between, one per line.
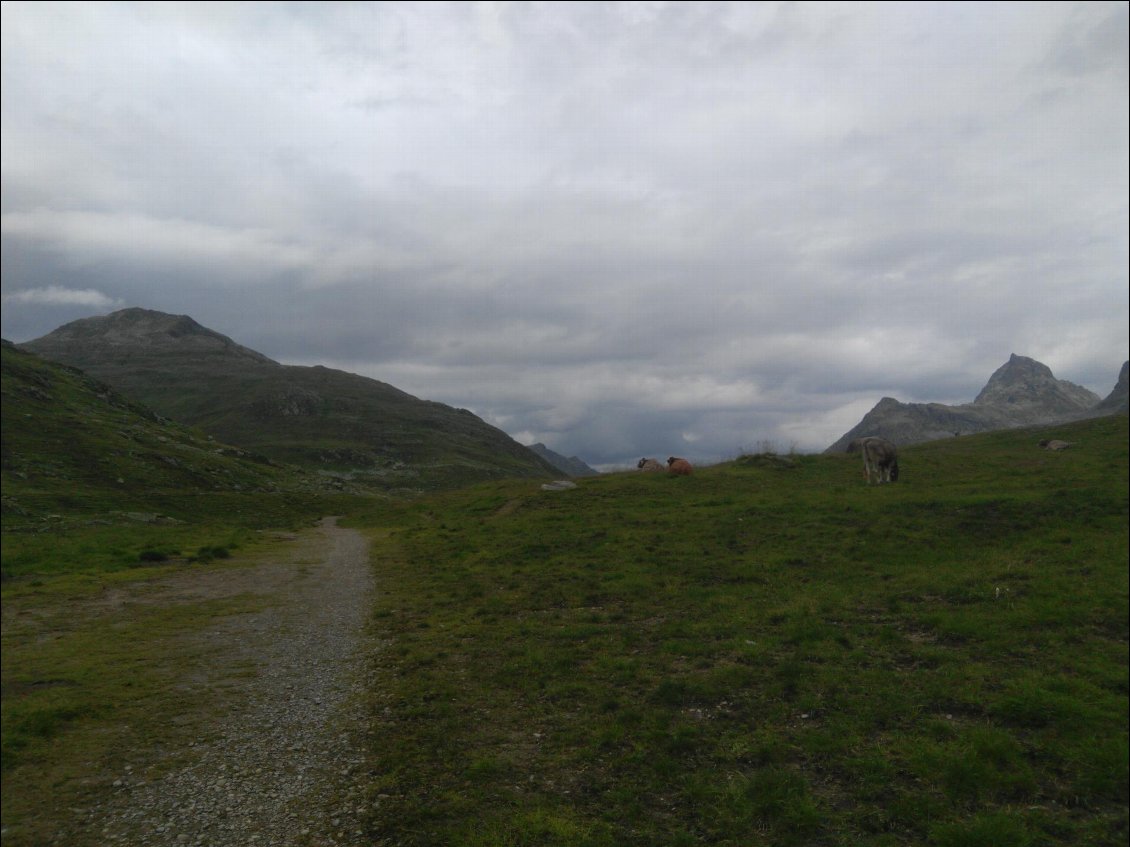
x=209, y=552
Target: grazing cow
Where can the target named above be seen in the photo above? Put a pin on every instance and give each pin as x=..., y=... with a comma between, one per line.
x=880, y=458
x=650, y=465
x=679, y=467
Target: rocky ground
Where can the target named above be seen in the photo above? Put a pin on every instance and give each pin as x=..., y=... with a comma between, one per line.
x=274, y=715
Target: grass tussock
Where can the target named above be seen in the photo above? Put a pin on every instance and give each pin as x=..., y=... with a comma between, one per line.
x=764, y=653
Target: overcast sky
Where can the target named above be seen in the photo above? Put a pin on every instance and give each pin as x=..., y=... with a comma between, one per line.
x=619, y=229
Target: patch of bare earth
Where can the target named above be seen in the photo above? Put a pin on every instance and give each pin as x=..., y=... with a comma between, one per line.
x=272, y=720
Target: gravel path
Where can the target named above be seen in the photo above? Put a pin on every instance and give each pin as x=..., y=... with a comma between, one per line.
x=278, y=723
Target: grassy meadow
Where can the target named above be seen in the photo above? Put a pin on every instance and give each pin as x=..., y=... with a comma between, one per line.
x=767, y=653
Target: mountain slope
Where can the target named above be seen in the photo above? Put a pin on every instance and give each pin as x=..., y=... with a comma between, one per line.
x=571, y=465
x=1022, y=392
x=312, y=416
x=74, y=445
x=1118, y=401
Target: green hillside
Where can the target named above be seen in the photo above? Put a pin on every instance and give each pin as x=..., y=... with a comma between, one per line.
x=81, y=462
x=360, y=429
x=769, y=652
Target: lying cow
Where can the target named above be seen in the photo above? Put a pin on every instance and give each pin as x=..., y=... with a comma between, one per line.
x=679, y=467
x=650, y=465
x=880, y=458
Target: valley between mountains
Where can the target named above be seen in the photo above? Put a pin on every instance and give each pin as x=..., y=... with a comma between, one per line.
x=769, y=651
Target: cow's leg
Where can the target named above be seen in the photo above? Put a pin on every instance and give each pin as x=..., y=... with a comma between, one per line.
x=872, y=467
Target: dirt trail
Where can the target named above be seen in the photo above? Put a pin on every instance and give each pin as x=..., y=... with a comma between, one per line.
x=273, y=715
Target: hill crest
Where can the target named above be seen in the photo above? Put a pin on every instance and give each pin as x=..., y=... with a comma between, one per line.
x=132, y=329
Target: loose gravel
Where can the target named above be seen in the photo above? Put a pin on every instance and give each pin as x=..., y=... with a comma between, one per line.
x=281, y=766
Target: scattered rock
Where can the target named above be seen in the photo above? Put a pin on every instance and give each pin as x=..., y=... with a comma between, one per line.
x=559, y=485
x=1055, y=444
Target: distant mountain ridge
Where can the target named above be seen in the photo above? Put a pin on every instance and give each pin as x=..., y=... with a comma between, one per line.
x=1022, y=392
x=571, y=466
x=315, y=417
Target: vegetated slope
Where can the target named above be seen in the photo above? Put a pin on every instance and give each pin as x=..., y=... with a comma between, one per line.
x=313, y=416
x=767, y=652
x=1022, y=392
x=74, y=448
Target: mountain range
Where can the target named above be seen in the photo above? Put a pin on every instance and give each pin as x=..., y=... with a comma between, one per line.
x=354, y=429
x=1022, y=392
x=338, y=423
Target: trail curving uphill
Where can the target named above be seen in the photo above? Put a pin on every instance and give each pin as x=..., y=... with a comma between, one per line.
x=274, y=713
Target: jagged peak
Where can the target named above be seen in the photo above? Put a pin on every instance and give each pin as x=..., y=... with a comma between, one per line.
x=1020, y=366
x=1021, y=392
x=1022, y=379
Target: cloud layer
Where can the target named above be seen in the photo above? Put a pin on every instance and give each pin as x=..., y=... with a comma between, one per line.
x=618, y=229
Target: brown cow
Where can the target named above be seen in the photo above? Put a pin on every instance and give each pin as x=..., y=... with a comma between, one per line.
x=679, y=467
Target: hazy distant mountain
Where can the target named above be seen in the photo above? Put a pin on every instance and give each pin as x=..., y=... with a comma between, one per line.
x=571, y=466
x=311, y=416
x=1022, y=392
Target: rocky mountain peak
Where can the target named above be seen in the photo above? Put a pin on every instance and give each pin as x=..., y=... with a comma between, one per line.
x=1022, y=382
x=1022, y=392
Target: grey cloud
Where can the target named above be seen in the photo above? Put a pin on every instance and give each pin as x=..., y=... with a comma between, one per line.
x=612, y=227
